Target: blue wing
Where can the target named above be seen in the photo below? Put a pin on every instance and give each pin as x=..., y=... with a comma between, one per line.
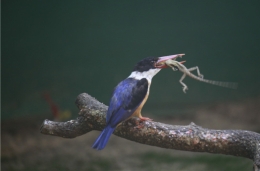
x=127, y=96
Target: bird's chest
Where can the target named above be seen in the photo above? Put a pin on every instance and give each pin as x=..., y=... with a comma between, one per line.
x=137, y=112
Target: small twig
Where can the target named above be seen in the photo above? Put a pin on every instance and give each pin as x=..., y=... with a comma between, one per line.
x=188, y=138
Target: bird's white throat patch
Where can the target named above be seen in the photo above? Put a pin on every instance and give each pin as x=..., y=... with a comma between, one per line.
x=146, y=74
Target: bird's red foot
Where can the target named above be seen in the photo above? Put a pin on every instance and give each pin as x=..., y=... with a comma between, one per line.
x=145, y=119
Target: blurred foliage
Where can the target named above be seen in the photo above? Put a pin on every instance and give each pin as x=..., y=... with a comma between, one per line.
x=150, y=161
x=211, y=162
x=70, y=47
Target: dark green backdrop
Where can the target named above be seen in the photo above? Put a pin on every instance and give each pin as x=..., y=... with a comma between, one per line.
x=70, y=47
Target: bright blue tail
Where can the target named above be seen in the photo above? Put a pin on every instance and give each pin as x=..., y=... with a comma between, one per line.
x=103, y=138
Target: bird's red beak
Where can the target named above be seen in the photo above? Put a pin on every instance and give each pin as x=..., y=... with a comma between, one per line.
x=161, y=62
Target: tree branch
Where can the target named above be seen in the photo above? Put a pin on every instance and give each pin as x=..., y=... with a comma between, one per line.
x=188, y=138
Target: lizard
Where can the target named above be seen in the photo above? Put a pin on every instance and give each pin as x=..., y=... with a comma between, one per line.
x=175, y=65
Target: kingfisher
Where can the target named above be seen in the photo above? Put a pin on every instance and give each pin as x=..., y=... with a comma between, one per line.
x=130, y=95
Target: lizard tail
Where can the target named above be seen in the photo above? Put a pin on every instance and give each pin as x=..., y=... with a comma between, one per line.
x=222, y=84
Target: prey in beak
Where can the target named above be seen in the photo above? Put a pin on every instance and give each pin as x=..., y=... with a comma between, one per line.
x=161, y=61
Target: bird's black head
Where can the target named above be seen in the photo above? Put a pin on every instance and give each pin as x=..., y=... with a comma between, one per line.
x=153, y=63
x=146, y=64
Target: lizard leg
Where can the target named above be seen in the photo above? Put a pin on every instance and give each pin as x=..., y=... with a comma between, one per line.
x=185, y=87
x=198, y=71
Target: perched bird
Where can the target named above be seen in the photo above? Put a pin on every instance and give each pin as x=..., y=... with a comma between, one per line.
x=130, y=95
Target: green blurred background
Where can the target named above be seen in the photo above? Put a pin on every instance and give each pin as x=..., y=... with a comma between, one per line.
x=70, y=47
x=64, y=48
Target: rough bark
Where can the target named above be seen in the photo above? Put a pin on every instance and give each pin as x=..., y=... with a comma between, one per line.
x=189, y=138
